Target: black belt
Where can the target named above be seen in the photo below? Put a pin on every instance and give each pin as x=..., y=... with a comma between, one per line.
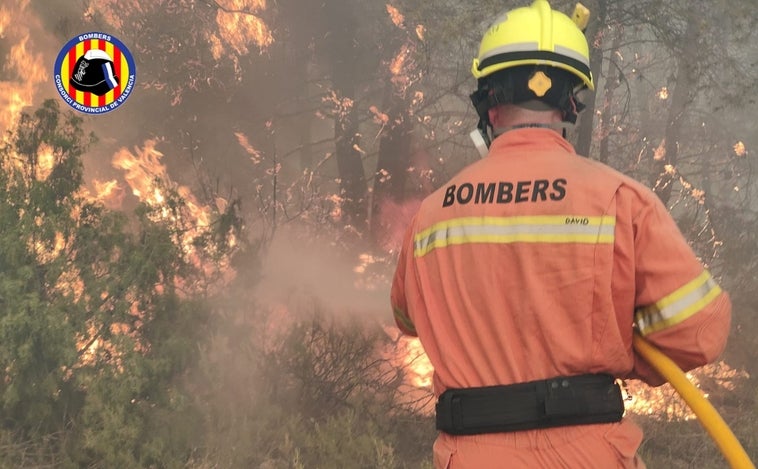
x=575, y=400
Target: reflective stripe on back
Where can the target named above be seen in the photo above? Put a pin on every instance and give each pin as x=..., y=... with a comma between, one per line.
x=576, y=229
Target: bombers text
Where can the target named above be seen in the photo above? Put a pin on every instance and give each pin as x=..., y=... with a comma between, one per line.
x=503, y=192
x=94, y=36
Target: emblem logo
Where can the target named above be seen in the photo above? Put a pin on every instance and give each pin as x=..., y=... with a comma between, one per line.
x=94, y=73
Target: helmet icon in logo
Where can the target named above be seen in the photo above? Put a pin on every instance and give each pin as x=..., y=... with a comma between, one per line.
x=93, y=72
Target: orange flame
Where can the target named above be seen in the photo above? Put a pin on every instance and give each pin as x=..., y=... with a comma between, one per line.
x=110, y=193
x=421, y=369
x=239, y=27
x=45, y=162
x=404, y=68
x=739, y=149
x=660, y=152
x=5, y=20
x=143, y=168
x=28, y=68
x=397, y=64
x=397, y=18
x=420, y=31
x=145, y=172
x=255, y=155
x=662, y=403
x=47, y=252
x=148, y=179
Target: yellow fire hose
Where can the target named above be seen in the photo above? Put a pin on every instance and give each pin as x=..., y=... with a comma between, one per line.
x=707, y=415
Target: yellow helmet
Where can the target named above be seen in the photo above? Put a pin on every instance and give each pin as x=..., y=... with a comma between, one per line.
x=536, y=35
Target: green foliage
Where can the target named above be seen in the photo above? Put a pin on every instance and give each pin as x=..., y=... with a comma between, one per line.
x=95, y=336
x=37, y=335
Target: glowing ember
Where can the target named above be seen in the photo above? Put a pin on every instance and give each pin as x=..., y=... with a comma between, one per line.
x=739, y=149
x=342, y=106
x=660, y=152
x=420, y=31
x=397, y=18
x=663, y=93
x=337, y=202
x=379, y=117
x=699, y=195
x=396, y=67
x=255, y=155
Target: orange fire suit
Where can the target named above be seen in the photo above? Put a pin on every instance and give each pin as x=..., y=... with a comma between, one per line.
x=534, y=263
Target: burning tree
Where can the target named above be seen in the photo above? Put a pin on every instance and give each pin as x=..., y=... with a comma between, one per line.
x=98, y=316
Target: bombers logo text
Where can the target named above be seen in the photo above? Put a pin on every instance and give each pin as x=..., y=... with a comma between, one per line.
x=94, y=73
x=504, y=192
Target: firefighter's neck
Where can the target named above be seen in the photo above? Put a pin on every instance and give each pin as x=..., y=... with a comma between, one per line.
x=510, y=116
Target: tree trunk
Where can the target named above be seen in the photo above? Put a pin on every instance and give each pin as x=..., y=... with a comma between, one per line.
x=612, y=78
x=587, y=120
x=391, y=175
x=681, y=95
x=343, y=60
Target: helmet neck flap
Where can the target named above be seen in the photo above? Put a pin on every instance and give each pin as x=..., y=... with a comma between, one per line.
x=515, y=86
x=534, y=57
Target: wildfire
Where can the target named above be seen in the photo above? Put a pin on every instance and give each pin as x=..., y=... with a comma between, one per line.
x=662, y=403
x=149, y=181
x=27, y=69
x=408, y=355
x=402, y=67
x=417, y=362
x=143, y=169
x=239, y=27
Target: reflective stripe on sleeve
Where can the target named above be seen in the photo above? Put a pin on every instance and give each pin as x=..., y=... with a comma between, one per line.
x=504, y=230
x=678, y=306
x=404, y=320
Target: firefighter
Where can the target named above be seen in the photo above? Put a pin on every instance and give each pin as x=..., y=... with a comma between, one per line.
x=527, y=274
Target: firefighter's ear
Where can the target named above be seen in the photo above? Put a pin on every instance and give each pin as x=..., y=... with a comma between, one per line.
x=494, y=115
